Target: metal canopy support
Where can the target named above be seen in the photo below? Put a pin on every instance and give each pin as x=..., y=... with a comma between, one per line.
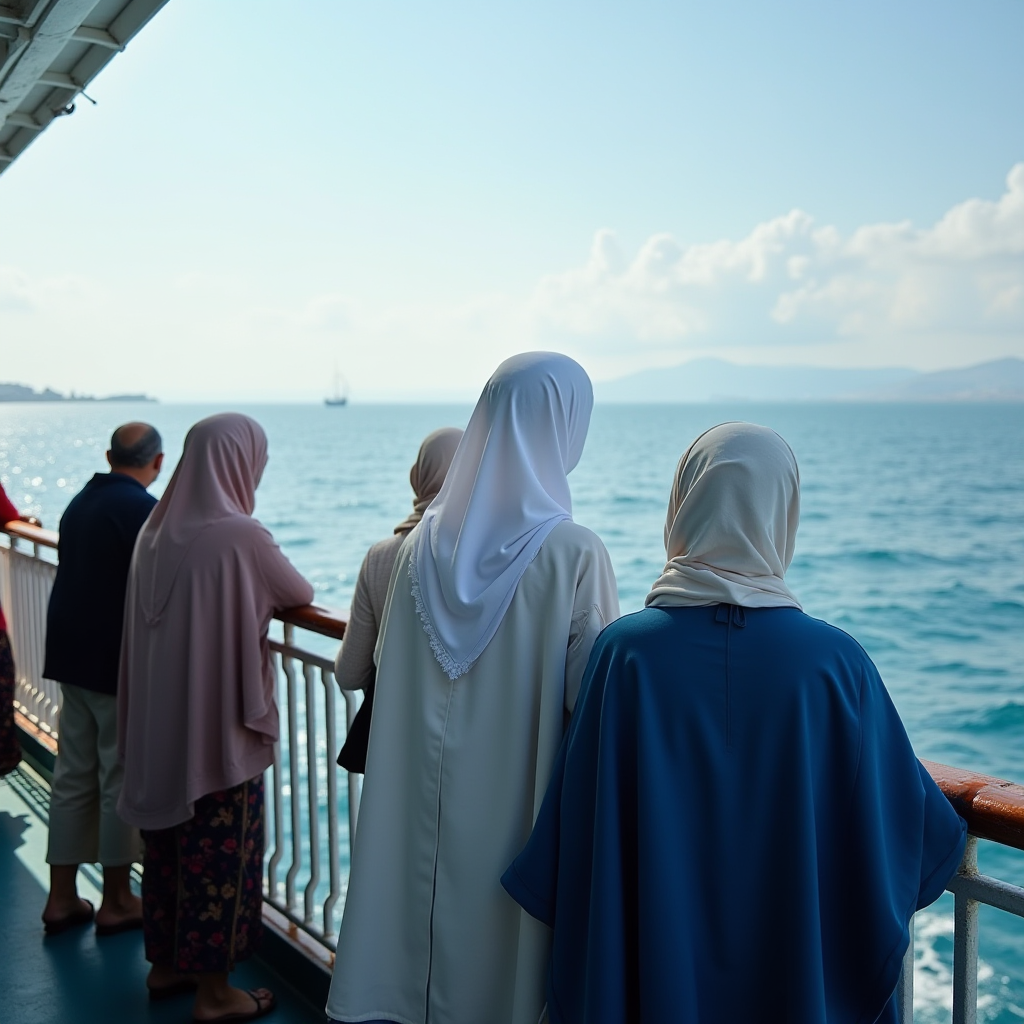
x=50, y=50
x=25, y=121
x=98, y=36
x=46, y=41
x=58, y=80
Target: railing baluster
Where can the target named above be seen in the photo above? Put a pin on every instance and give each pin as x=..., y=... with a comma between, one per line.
x=5, y=576
x=313, y=790
x=288, y=665
x=965, y=944
x=45, y=575
x=275, y=793
x=32, y=645
x=39, y=596
x=333, y=839
x=905, y=987
x=29, y=631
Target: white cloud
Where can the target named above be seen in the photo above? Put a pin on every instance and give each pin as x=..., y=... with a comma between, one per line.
x=16, y=292
x=20, y=293
x=793, y=282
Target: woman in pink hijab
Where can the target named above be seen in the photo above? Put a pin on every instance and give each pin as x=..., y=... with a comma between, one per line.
x=197, y=719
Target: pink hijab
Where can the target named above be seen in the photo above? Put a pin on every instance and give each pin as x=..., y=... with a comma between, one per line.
x=220, y=469
x=196, y=710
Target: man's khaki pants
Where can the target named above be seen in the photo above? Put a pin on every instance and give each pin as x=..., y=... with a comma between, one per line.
x=84, y=826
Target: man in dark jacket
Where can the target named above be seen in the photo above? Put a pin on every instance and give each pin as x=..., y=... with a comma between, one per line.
x=83, y=645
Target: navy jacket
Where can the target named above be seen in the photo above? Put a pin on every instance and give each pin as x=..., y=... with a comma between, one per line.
x=83, y=624
x=737, y=829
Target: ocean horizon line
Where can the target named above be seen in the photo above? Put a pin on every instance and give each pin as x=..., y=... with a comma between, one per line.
x=426, y=401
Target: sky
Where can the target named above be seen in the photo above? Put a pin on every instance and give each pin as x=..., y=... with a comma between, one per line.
x=413, y=192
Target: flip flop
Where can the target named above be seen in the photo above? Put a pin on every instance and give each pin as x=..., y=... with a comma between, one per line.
x=181, y=987
x=264, y=1004
x=130, y=924
x=75, y=920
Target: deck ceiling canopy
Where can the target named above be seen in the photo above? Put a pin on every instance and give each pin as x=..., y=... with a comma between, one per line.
x=50, y=50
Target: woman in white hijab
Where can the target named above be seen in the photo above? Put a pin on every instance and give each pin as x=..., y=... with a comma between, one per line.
x=495, y=601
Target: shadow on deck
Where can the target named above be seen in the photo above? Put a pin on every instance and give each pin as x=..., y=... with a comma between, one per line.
x=74, y=976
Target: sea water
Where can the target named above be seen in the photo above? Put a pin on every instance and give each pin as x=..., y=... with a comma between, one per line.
x=911, y=538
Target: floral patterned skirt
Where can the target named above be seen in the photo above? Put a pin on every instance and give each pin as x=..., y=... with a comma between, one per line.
x=202, y=883
x=10, y=748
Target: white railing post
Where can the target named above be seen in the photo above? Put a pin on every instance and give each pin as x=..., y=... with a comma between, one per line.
x=905, y=988
x=288, y=664
x=276, y=798
x=333, y=845
x=965, y=943
x=313, y=794
x=27, y=582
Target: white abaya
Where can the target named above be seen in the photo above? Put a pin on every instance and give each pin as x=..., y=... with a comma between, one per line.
x=455, y=775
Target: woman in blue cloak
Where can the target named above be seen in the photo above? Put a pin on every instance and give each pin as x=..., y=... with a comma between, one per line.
x=737, y=829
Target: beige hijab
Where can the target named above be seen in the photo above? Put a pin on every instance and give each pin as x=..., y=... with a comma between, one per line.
x=428, y=472
x=732, y=521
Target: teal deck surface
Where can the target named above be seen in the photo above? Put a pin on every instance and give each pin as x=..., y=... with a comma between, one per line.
x=74, y=978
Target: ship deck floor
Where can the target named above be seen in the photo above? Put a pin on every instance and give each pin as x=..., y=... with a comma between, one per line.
x=73, y=977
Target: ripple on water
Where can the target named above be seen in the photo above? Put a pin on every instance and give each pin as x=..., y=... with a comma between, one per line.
x=1005, y=717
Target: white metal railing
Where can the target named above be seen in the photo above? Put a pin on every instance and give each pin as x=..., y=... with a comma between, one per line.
x=310, y=823
x=26, y=578
x=969, y=888
x=305, y=831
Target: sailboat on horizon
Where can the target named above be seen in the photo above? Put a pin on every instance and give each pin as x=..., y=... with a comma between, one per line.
x=340, y=394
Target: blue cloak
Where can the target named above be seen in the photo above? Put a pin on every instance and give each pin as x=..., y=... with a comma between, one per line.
x=736, y=830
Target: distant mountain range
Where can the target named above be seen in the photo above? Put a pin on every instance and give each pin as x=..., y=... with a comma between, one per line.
x=713, y=380
x=22, y=393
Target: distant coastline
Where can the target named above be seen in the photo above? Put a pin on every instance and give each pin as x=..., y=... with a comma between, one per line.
x=23, y=393
x=715, y=380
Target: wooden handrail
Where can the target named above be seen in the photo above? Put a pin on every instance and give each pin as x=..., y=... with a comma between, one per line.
x=993, y=808
x=317, y=619
x=35, y=534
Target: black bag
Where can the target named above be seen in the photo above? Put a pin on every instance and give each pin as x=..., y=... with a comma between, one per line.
x=353, y=754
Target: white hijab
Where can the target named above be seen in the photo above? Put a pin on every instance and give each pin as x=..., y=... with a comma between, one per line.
x=505, y=492
x=732, y=520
